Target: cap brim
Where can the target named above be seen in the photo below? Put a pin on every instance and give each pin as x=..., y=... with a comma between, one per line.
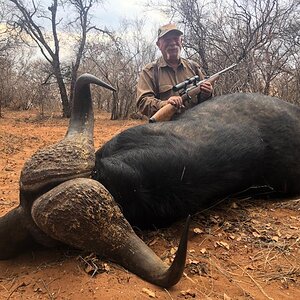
x=176, y=30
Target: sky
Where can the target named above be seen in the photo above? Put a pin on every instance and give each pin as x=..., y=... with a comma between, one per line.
x=111, y=13
x=114, y=11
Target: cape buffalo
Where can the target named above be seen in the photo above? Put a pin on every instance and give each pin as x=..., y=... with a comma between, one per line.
x=150, y=174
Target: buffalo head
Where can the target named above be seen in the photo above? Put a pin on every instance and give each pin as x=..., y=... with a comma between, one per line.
x=59, y=203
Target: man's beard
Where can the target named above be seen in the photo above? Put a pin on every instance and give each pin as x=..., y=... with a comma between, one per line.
x=177, y=56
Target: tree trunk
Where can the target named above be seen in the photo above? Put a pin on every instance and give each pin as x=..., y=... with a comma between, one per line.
x=114, y=111
x=72, y=86
x=63, y=94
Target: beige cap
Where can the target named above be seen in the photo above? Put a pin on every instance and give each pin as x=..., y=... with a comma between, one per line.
x=167, y=28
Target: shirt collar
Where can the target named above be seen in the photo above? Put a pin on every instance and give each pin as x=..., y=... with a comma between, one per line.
x=162, y=63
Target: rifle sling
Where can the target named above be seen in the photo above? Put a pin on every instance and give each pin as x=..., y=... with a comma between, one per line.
x=156, y=80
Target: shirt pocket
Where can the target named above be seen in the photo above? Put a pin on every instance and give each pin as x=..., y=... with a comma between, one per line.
x=165, y=91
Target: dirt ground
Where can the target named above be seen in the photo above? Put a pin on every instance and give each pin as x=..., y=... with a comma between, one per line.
x=243, y=249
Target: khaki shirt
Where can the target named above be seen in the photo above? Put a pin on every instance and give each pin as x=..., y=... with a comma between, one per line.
x=147, y=102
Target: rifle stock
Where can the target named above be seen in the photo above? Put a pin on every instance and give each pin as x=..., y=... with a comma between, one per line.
x=168, y=111
x=164, y=114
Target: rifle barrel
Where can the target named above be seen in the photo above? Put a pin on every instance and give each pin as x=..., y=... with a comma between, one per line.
x=226, y=69
x=166, y=112
x=214, y=75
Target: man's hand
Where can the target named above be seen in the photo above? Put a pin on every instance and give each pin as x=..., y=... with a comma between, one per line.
x=206, y=88
x=175, y=101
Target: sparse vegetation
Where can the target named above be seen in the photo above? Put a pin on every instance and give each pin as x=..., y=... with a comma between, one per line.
x=263, y=34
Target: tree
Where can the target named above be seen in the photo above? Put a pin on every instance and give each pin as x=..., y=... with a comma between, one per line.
x=29, y=19
x=119, y=63
x=218, y=33
x=5, y=45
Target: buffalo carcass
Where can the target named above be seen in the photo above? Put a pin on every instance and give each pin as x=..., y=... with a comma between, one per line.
x=157, y=173
x=164, y=171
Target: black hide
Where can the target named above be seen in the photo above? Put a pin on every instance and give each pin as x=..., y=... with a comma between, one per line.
x=164, y=171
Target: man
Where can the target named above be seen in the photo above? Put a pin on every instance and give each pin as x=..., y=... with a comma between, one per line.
x=154, y=89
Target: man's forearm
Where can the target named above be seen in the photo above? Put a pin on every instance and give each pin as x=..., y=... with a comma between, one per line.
x=149, y=105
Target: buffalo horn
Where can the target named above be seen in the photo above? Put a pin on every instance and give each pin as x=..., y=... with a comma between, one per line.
x=83, y=214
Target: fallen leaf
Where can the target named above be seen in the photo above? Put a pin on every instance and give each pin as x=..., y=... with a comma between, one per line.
x=222, y=244
x=203, y=250
x=234, y=205
x=195, y=262
x=275, y=238
x=225, y=297
x=255, y=234
x=38, y=290
x=268, y=226
x=254, y=221
x=150, y=293
x=198, y=230
x=232, y=236
x=167, y=260
x=188, y=293
x=106, y=267
x=173, y=250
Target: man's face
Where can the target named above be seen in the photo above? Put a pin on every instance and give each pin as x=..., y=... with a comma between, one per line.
x=170, y=46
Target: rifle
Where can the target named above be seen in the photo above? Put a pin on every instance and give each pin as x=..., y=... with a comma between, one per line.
x=187, y=89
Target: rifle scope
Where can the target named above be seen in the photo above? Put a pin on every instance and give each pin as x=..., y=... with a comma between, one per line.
x=184, y=84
